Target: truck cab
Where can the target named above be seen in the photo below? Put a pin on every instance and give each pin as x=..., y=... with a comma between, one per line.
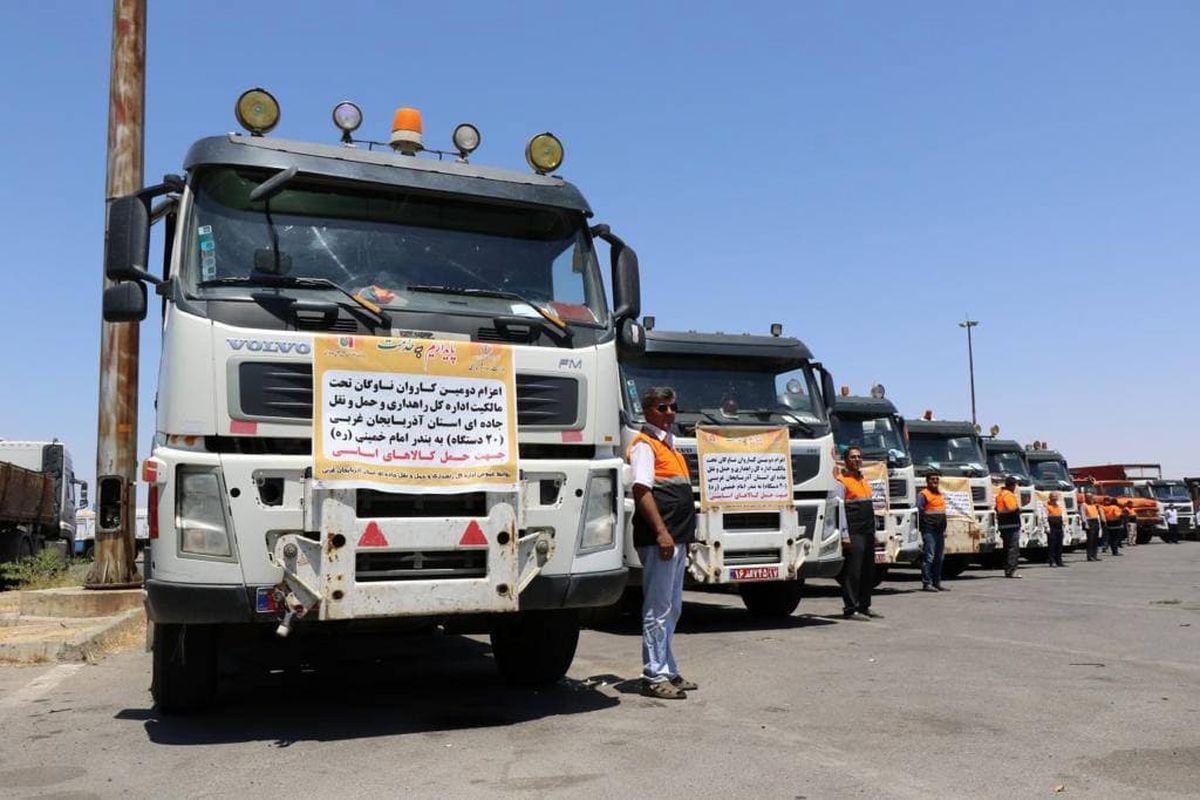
x=874, y=424
x=748, y=381
x=1006, y=457
x=275, y=248
x=1167, y=492
x=955, y=448
x=39, y=498
x=1051, y=474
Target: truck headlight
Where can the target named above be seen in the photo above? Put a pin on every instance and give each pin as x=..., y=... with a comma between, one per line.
x=830, y=528
x=200, y=513
x=598, y=530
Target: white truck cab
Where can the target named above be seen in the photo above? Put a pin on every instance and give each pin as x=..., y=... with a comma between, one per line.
x=954, y=448
x=1167, y=492
x=273, y=246
x=874, y=425
x=741, y=380
x=1005, y=458
x=1050, y=473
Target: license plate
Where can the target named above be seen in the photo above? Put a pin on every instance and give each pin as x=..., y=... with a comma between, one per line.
x=881, y=557
x=754, y=573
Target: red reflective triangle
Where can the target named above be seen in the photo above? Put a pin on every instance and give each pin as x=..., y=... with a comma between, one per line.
x=372, y=537
x=473, y=536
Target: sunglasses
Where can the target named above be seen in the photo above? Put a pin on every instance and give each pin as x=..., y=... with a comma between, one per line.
x=664, y=407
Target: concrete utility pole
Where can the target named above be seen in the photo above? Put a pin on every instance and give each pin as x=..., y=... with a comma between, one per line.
x=116, y=437
x=969, y=323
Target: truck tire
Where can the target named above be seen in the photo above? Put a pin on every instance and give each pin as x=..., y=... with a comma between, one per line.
x=773, y=599
x=535, y=648
x=953, y=566
x=992, y=560
x=1144, y=535
x=184, y=672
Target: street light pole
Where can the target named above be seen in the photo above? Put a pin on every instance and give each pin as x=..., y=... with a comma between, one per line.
x=969, y=323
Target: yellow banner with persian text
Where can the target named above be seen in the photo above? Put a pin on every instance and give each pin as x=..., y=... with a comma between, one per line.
x=744, y=467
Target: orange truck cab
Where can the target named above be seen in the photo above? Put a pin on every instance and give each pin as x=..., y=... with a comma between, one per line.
x=1112, y=480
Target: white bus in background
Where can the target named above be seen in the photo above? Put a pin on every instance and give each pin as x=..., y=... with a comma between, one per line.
x=85, y=531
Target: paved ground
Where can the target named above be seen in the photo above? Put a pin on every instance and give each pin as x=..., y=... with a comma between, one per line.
x=1086, y=678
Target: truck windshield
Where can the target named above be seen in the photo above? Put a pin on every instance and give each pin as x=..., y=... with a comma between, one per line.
x=1008, y=464
x=879, y=437
x=943, y=451
x=1049, y=472
x=378, y=241
x=733, y=394
x=1171, y=492
x=1117, y=490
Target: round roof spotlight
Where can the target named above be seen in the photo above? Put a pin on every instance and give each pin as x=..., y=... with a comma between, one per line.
x=994, y=430
x=794, y=386
x=878, y=392
x=466, y=138
x=347, y=117
x=257, y=111
x=544, y=153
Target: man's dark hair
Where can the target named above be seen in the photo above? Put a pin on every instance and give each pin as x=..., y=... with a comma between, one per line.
x=851, y=449
x=933, y=472
x=657, y=394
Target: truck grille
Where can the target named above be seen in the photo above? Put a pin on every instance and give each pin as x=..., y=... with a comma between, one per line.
x=284, y=390
x=978, y=494
x=747, y=557
x=897, y=488
x=1026, y=497
x=751, y=521
x=1069, y=502
x=419, y=565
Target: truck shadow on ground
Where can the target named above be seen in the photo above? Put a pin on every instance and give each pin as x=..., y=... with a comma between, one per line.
x=701, y=618
x=427, y=685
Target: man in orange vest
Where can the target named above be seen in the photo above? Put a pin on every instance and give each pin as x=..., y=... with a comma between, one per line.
x=931, y=519
x=1114, y=527
x=1054, y=516
x=664, y=524
x=1091, y=513
x=1008, y=520
x=858, y=542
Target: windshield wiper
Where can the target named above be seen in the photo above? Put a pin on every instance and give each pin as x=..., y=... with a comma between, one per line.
x=302, y=283
x=559, y=324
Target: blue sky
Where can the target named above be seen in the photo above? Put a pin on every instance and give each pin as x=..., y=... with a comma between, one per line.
x=866, y=173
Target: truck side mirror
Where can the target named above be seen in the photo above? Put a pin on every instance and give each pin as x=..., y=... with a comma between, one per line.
x=127, y=239
x=627, y=288
x=631, y=337
x=83, y=494
x=125, y=302
x=828, y=391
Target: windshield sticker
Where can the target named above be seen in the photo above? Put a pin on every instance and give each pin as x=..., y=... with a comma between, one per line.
x=208, y=252
x=631, y=386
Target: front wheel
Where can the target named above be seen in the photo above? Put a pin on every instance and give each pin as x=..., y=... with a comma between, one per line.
x=953, y=566
x=535, y=648
x=1144, y=536
x=772, y=600
x=881, y=573
x=184, y=671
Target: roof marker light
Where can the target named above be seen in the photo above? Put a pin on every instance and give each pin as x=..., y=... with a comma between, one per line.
x=544, y=153
x=347, y=117
x=257, y=111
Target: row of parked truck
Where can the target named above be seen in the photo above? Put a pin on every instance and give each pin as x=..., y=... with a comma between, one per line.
x=282, y=258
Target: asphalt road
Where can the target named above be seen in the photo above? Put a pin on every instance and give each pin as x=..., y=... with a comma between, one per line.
x=1081, y=682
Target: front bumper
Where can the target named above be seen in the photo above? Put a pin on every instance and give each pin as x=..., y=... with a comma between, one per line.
x=829, y=568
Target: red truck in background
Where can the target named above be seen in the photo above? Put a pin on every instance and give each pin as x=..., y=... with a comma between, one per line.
x=1117, y=481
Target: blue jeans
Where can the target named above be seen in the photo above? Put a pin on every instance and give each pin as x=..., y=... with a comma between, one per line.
x=931, y=562
x=662, y=603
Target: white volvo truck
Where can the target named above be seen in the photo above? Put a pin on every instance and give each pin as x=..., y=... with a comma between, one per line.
x=1006, y=457
x=873, y=424
x=271, y=244
x=733, y=380
x=954, y=448
x=1051, y=474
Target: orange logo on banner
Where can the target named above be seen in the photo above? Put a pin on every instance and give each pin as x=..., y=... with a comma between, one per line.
x=473, y=536
x=372, y=537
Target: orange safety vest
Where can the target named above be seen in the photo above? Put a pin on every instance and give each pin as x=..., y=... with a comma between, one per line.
x=935, y=503
x=1091, y=511
x=668, y=463
x=1053, y=510
x=1006, y=501
x=856, y=488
